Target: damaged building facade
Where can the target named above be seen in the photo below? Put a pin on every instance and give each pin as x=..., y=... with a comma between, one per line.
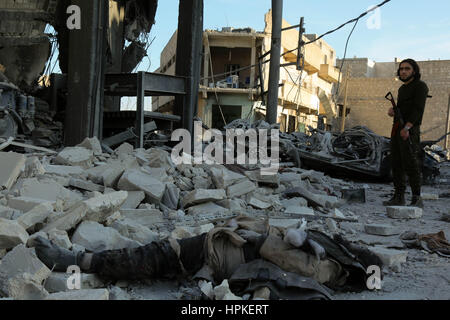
x=370, y=81
x=228, y=90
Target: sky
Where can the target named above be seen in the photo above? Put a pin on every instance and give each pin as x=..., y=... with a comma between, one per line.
x=400, y=29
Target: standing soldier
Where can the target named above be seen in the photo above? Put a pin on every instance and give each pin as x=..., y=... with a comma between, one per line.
x=405, y=142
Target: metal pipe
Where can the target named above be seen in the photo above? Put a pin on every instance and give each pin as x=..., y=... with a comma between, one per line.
x=275, y=52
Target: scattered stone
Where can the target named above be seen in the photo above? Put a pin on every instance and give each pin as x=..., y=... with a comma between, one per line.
x=92, y=144
x=240, y=188
x=101, y=207
x=10, y=168
x=133, y=200
x=429, y=196
x=69, y=219
x=232, y=204
x=204, y=208
x=23, y=287
x=36, y=215
x=271, y=180
x=301, y=211
x=255, y=202
x=294, y=202
x=390, y=257
x=33, y=168
x=60, y=238
x=86, y=185
x=223, y=177
x=404, y=212
x=95, y=237
x=332, y=225
x=135, y=231
x=75, y=156
x=11, y=234
x=207, y=288
x=202, y=196
x=134, y=180
x=63, y=170
x=25, y=204
x=145, y=217
x=57, y=281
x=381, y=229
x=84, y=294
x=124, y=148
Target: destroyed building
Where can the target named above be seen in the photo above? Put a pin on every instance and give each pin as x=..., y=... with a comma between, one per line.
x=226, y=94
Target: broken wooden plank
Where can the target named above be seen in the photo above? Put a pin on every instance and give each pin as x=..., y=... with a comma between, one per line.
x=127, y=135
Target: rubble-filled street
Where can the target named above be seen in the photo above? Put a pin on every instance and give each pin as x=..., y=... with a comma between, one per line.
x=83, y=199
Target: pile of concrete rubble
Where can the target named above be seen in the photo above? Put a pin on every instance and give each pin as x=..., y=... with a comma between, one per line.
x=84, y=199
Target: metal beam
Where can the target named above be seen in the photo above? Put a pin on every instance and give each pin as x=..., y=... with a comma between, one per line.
x=275, y=52
x=188, y=58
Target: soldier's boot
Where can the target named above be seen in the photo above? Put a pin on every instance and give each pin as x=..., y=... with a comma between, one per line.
x=416, y=201
x=397, y=200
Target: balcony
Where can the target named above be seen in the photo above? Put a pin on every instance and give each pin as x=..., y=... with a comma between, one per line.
x=329, y=73
x=313, y=58
x=289, y=93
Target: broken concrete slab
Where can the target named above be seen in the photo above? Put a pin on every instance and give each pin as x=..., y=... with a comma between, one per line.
x=301, y=211
x=296, y=202
x=57, y=282
x=68, y=219
x=272, y=180
x=133, y=200
x=222, y=177
x=158, y=158
x=60, y=238
x=171, y=197
x=209, y=207
x=33, y=168
x=331, y=225
x=10, y=169
x=23, y=260
x=258, y=204
x=404, y=212
x=203, y=195
x=112, y=173
x=86, y=185
x=124, y=148
x=95, y=237
x=36, y=215
x=223, y=292
x=75, y=156
x=201, y=182
x=313, y=198
x=22, y=287
x=134, y=180
x=9, y=213
x=91, y=144
x=83, y=294
x=233, y=204
x=135, y=231
x=207, y=288
x=390, y=257
x=240, y=189
x=101, y=207
x=429, y=196
x=381, y=229
x=145, y=217
x=284, y=223
x=63, y=170
x=11, y=234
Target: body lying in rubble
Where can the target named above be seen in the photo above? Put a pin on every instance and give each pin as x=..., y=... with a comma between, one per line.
x=293, y=263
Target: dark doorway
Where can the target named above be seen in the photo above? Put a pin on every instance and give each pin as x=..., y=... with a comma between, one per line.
x=230, y=113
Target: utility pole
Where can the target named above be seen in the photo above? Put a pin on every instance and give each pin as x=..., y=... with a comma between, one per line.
x=275, y=52
x=447, y=125
x=344, y=107
x=301, y=43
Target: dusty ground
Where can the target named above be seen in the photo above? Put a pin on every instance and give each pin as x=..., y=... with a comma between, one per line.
x=423, y=277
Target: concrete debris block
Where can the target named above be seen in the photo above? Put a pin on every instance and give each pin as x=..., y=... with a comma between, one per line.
x=390, y=257
x=101, y=207
x=301, y=211
x=204, y=208
x=57, y=282
x=404, y=212
x=92, y=144
x=85, y=185
x=83, y=294
x=207, y=288
x=115, y=293
x=158, y=158
x=60, y=238
x=381, y=229
x=294, y=202
x=185, y=184
x=10, y=168
x=290, y=179
x=68, y=219
x=63, y=170
x=31, y=240
x=258, y=204
x=48, y=190
x=36, y=215
x=262, y=293
x=25, y=204
x=33, y=167
x=95, y=173
x=429, y=196
x=145, y=217
x=23, y=287
x=134, y=180
x=182, y=232
x=113, y=218
x=240, y=189
x=272, y=180
x=223, y=177
x=337, y=214
x=157, y=173
x=222, y=292
x=124, y=148
x=332, y=225
x=11, y=234
x=75, y=156
x=284, y=223
x=23, y=260
x=2, y=253
x=171, y=197
x=112, y=173
x=201, y=182
x=9, y=213
x=133, y=200
x=135, y=231
x=95, y=237
x=203, y=195
x=232, y=204
x=204, y=228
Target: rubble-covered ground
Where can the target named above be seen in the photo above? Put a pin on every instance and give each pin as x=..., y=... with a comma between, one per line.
x=84, y=199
